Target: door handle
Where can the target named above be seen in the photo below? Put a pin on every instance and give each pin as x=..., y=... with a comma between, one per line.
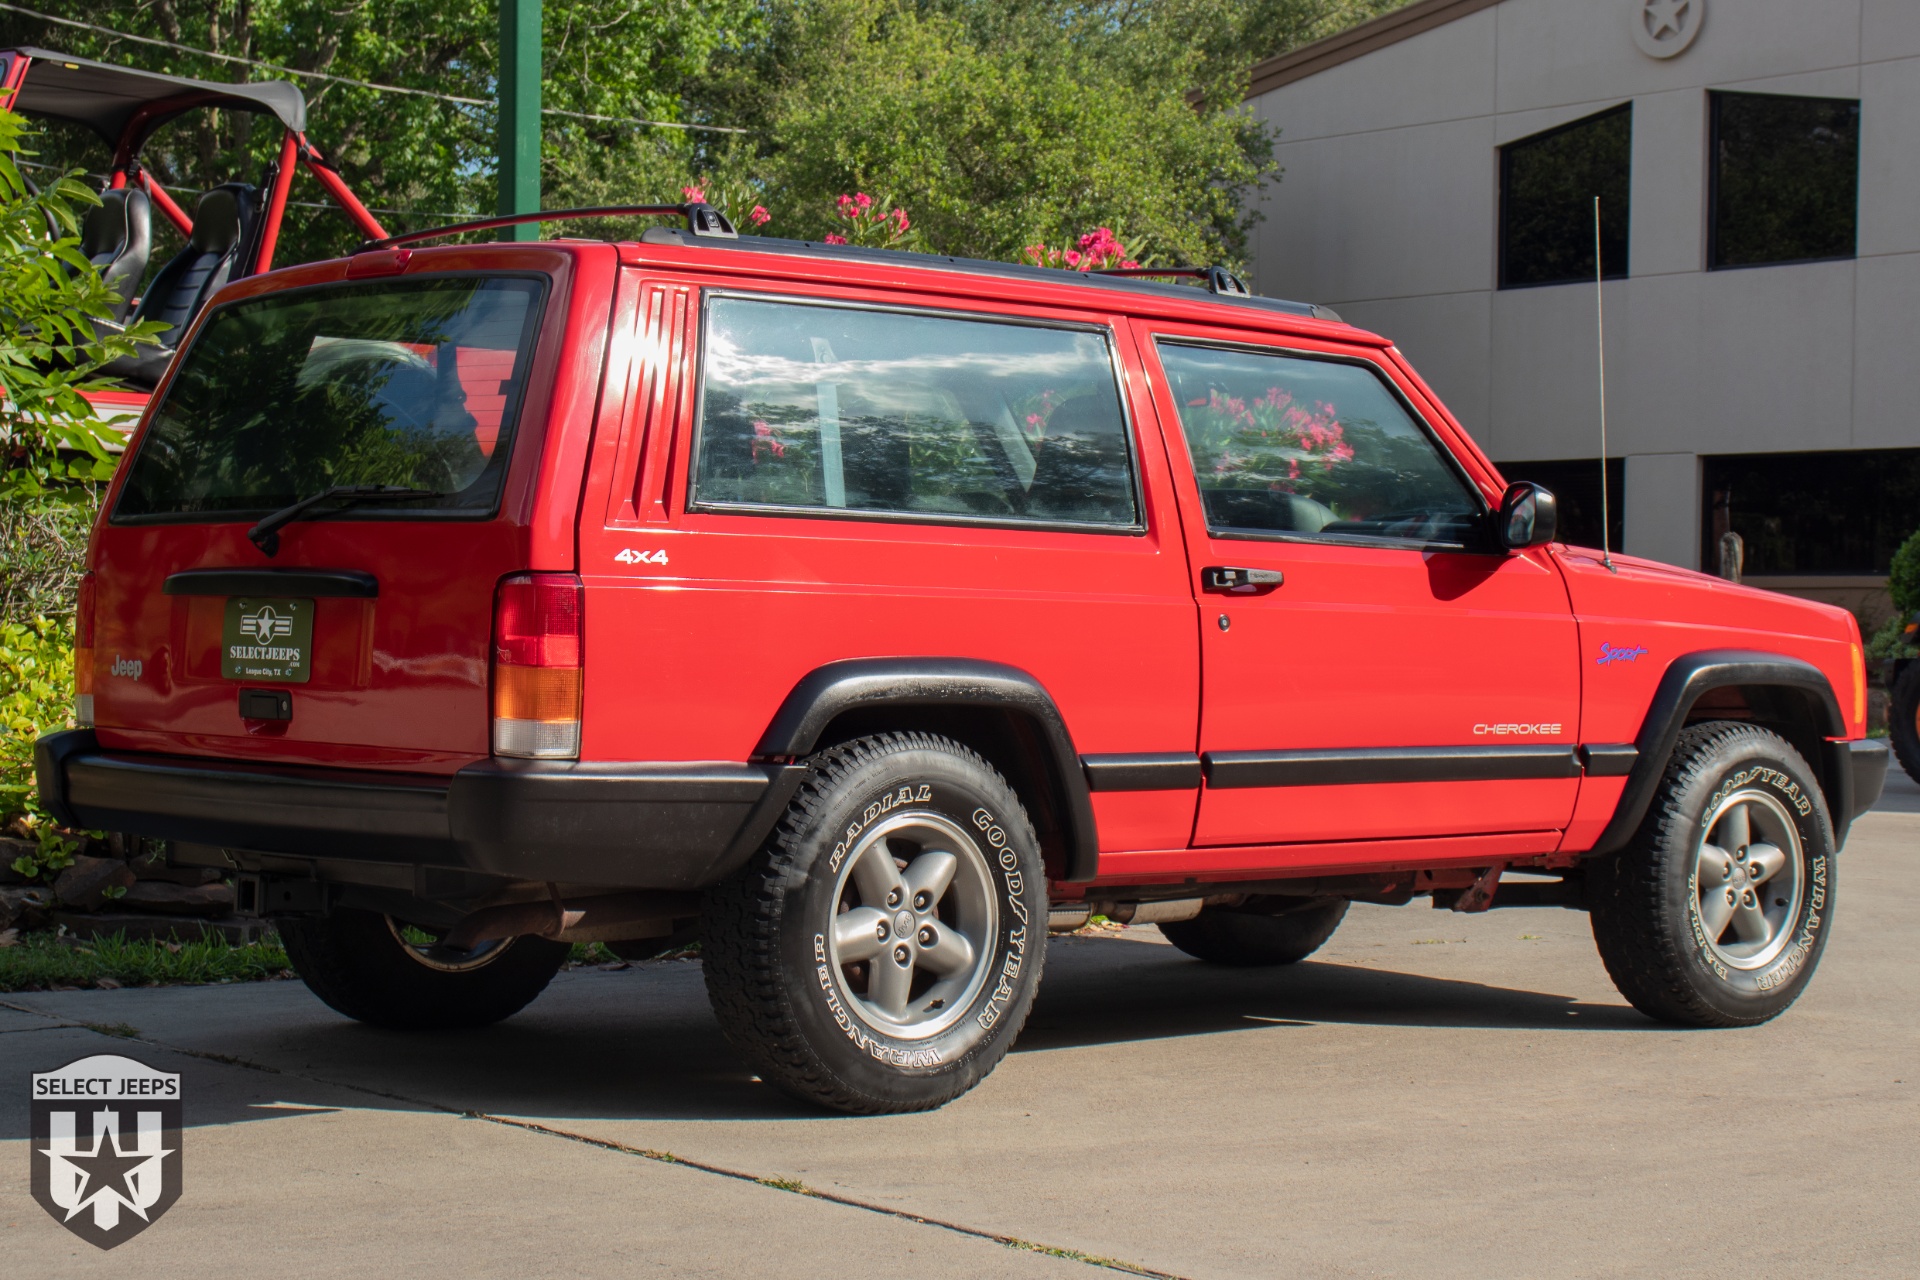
x=1226, y=580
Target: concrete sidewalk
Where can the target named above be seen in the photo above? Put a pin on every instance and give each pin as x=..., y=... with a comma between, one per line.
x=1433, y=1094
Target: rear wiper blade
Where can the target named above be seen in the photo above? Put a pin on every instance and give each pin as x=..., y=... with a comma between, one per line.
x=266, y=534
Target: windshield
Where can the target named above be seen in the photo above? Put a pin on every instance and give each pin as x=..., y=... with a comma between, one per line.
x=414, y=383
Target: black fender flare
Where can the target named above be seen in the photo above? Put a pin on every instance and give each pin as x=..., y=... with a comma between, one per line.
x=1688, y=677
x=859, y=683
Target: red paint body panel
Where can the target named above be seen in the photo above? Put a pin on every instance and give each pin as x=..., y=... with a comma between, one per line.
x=699, y=623
x=401, y=681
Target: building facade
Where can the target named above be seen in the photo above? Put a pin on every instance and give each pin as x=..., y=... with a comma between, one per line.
x=1757, y=164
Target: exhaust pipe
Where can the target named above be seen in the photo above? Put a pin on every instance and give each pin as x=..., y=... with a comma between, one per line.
x=1068, y=916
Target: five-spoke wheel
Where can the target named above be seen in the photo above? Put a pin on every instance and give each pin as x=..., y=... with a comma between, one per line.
x=1747, y=876
x=915, y=913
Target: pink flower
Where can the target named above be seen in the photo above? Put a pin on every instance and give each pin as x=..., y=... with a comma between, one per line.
x=696, y=194
x=1033, y=419
x=900, y=216
x=834, y=239
x=1073, y=258
x=759, y=217
x=864, y=200
x=1130, y=265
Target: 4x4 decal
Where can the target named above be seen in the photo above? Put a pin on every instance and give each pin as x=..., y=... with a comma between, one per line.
x=630, y=556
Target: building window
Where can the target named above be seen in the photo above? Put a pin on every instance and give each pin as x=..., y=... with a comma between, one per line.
x=1547, y=186
x=1785, y=181
x=1576, y=484
x=1844, y=512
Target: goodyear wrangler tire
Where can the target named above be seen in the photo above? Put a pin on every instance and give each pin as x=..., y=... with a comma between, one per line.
x=1254, y=939
x=1716, y=913
x=377, y=970
x=881, y=952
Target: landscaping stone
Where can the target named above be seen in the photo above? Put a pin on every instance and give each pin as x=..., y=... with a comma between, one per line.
x=84, y=885
x=10, y=849
x=177, y=899
x=23, y=908
x=158, y=870
x=132, y=925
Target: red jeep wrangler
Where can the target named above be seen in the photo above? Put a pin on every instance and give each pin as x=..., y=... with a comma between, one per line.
x=869, y=615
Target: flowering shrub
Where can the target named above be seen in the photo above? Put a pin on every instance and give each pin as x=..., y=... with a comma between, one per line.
x=867, y=223
x=1096, y=250
x=697, y=193
x=1268, y=442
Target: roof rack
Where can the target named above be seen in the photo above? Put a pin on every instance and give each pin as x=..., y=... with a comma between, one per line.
x=1219, y=279
x=702, y=220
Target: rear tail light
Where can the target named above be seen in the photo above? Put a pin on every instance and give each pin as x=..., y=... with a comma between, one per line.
x=537, y=629
x=83, y=654
x=1858, y=724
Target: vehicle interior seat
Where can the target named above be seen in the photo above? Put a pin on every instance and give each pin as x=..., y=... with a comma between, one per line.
x=117, y=238
x=223, y=228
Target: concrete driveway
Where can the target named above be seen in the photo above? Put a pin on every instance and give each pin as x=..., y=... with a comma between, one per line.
x=1433, y=1094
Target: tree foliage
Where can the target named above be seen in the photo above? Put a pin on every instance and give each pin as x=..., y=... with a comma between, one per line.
x=994, y=123
x=51, y=345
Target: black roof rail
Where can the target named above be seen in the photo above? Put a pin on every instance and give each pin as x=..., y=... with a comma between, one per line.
x=1219, y=279
x=702, y=220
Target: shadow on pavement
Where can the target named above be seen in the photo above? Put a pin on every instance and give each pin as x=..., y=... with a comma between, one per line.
x=641, y=1044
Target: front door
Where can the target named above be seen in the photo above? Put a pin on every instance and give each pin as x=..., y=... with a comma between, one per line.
x=1372, y=668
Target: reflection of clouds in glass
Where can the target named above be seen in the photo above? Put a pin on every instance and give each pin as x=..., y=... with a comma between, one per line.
x=738, y=368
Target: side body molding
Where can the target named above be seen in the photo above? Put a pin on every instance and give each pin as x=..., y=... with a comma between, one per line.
x=1694, y=674
x=860, y=684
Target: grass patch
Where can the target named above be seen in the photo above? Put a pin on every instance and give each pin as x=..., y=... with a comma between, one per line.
x=43, y=962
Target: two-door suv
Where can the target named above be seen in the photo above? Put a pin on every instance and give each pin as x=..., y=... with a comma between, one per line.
x=868, y=615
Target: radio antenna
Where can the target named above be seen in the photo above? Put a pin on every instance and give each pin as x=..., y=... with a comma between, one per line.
x=1600, y=328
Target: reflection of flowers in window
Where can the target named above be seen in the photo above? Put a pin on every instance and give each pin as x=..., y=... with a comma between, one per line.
x=766, y=442
x=1267, y=442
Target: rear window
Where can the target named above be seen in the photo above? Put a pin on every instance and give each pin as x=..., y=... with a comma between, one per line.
x=402, y=382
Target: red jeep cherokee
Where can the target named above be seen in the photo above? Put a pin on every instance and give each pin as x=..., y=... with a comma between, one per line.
x=869, y=615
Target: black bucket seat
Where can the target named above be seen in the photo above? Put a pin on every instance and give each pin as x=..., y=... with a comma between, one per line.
x=223, y=227
x=117, y=238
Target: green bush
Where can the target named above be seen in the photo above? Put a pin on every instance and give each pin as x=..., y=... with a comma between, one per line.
x=36, y=697
x=1903, y=581
x=43, y=551
x=37, y=962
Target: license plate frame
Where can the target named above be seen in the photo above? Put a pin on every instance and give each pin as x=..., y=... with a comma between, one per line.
x=283, y=655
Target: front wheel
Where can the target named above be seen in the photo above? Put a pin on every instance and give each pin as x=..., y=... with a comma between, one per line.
x=1716, y=913
x=881, y=953
x=387, y=973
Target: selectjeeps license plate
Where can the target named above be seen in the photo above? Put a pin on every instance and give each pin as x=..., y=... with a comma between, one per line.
x=267, y=640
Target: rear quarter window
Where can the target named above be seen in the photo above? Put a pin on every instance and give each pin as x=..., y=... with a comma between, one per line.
x=826, y=409
x=416, y=383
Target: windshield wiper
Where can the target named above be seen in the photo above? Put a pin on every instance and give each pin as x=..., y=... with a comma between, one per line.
x=266, y=534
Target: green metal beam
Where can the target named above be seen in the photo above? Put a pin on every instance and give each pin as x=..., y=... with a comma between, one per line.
x=520, y=114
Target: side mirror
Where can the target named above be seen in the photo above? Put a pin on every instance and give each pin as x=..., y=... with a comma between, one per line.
x=1528, y=517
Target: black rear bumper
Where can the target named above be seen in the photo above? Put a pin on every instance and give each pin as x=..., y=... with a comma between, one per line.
x=641, y=826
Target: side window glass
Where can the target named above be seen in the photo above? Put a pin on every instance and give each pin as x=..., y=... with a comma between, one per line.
x=841, y=409
x=1282, y=444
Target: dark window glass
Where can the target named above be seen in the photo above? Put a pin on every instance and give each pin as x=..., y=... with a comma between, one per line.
x=406, y=382
x=1805, y=513
x=1547, y=186
x=1314, y=448
x=843, y=409
x=1576, y=484
x=1786, y=178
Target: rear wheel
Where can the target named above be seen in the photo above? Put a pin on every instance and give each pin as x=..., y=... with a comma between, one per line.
x=881, y=953
x=1250, y=939
x=1903, y=720
x=387, y=973
x=1716, y=913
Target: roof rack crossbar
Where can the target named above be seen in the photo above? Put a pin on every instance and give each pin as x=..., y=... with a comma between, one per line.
x=702, y=220
x=1218, y=279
